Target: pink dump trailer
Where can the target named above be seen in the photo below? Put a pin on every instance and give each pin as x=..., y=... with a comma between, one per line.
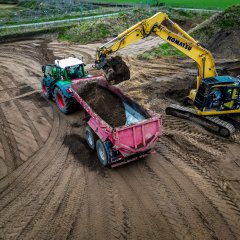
x=118, y=145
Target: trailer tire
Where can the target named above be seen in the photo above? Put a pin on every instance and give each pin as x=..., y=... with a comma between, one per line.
x=46, y=91
x=65, y=104
x=91, y=137
x=102, y=153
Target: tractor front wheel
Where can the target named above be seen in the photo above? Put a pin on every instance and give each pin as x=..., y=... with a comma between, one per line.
x=65, y=104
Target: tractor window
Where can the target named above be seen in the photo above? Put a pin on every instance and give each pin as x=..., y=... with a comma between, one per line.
x=48, y=70
x=56, y=72
x=75, y=72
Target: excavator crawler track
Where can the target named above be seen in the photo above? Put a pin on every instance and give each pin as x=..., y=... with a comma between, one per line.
x=214, y=124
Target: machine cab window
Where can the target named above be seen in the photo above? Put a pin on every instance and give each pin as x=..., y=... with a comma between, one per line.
x=215, y=97
x=51, y=71
x=74, y=72
x=71, y=68
x=47, y=70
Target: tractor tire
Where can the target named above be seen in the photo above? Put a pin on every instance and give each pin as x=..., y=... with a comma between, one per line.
x=91, y=137
x=65, y=104
x=102, y=153
x=46, y=91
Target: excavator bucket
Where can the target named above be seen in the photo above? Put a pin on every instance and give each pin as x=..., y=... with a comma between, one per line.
x=116, y=70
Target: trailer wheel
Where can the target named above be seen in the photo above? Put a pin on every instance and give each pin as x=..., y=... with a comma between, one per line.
x=46, y=91
x=102, y=153
x=91, y=137
x=65, y=105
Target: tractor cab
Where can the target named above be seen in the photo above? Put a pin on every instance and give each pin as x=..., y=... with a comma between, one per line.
x=65, y=69
x=218, y=94
x=57, y=80
x=71, y=68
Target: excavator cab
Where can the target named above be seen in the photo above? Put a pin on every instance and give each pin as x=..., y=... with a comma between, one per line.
x=220, y=93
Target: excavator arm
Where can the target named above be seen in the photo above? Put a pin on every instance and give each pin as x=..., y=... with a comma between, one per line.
x=153, y=25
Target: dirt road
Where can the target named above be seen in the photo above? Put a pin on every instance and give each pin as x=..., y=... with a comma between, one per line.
x=52, y=186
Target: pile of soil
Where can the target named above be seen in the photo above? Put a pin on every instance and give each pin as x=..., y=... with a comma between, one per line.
x=225, y=44
x=107, y=105
x=231, y=68
x=220, y=33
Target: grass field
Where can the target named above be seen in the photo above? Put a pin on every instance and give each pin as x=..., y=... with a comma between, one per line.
x=207, y=4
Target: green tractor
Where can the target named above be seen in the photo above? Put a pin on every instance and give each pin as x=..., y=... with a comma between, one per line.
x=57, y=79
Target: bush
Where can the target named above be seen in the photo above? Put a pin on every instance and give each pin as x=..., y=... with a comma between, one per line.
x=87, y=32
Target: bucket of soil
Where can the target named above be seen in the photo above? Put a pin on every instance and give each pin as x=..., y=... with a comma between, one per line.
x=116, y=70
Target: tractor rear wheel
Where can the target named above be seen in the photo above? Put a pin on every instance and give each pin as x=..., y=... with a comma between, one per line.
x=102, y=153
x=91, y=137
x=46, y=91
x=65, y=104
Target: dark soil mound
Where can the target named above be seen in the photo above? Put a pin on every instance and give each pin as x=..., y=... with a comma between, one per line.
x=231, y=68
x=224, y=21
x=181, y=89
x=107, y=105
x=220, y=33
x=225, y=44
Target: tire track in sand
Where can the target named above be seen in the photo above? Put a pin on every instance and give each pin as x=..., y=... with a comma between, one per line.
x=207, y=184
x=61, y=195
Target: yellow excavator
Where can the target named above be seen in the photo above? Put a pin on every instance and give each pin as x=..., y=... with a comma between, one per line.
x=214, y=95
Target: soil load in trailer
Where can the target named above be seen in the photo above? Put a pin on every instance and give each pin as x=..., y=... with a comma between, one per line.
x=106, y=104
x=118, y=128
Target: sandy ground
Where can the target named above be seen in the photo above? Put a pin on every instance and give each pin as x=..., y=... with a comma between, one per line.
x=52, y=186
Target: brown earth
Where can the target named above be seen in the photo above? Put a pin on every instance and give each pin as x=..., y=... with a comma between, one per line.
x=52, y=186
x=107, y=105
x=225, y=44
